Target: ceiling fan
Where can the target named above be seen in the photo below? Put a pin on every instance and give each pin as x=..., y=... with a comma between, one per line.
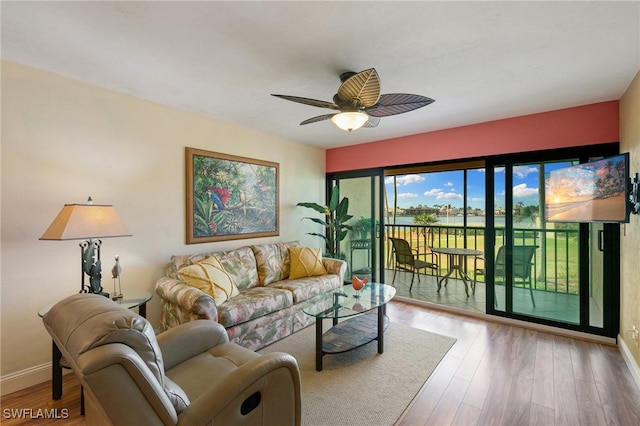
x=360, y=103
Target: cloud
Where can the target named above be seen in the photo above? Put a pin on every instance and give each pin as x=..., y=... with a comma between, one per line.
x=433, y=192
x=407, y=195
x=522, y=191
x=449, y=196
x=439, y=194
x=448, y=184
x=523, y=171
x=408, y=179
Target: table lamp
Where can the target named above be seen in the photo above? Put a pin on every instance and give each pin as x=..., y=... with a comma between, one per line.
x=88, y=222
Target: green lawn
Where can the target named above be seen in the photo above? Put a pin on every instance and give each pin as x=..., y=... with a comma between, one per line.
x=557, y=273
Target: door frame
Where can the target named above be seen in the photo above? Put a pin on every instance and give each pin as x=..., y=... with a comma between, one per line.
x=611, y=290
x=377, y=252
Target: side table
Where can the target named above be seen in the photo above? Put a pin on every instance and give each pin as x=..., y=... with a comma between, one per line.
x=133, y=299
x=366, y=270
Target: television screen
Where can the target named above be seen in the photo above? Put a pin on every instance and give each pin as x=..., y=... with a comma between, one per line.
x=589, y=192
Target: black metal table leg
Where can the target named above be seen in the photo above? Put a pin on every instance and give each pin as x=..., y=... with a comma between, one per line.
x=56, y=372
x=319, y=344
x=142, y=310
x=381, y=313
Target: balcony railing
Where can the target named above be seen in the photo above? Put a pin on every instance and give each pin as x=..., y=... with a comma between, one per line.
x=555, y=264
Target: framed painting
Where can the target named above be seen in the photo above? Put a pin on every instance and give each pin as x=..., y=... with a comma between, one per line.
x=230, y=197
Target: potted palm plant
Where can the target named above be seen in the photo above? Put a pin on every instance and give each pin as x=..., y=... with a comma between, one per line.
x=362, y=228
x=335, y=218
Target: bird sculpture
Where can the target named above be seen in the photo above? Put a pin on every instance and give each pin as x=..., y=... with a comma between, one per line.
x=358, y=284
x=115, y=273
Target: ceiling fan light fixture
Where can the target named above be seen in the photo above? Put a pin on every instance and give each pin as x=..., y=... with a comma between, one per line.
x=350, y=121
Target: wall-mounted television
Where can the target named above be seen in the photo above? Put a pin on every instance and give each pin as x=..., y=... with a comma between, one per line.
x=596, y=191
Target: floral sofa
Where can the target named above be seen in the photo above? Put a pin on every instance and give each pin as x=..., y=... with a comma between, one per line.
x=255, y=292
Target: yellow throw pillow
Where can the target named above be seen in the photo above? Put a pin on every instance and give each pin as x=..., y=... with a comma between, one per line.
x=305, y=262
x=209, y=276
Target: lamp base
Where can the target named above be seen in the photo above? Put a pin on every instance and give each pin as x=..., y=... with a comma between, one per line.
x=102, y=293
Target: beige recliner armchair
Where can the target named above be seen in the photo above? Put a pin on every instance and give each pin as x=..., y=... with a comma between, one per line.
x=190, y=374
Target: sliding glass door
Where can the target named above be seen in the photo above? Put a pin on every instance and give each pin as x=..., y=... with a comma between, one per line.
x=559, y=273
x=360, y=247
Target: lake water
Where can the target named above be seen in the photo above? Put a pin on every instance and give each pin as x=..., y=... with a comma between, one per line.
x=458, y=221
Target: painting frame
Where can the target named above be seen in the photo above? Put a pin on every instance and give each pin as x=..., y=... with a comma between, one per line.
x=229, y=197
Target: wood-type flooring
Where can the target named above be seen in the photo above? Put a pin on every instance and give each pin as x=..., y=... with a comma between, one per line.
x=495, y=374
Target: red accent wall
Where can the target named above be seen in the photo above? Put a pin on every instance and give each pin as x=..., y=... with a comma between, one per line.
x=583, y=125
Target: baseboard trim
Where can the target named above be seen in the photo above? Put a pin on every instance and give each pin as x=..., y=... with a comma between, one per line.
x=511, y=321
x=23, y=379
x=629, y=360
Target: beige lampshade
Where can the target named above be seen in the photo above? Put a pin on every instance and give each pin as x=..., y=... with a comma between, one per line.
x=86, y=221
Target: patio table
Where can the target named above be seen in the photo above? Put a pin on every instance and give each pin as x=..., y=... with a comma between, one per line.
x=457, y=260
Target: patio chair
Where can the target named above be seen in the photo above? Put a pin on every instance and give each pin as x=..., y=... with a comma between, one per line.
x=522, y=263
x=406, y=259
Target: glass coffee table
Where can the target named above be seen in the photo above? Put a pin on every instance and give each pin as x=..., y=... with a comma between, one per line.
x=364, y=326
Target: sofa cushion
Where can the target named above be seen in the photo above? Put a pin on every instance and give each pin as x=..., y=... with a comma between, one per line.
x=306, y=288
x=209, y=276
x=273, y=261
x=262, y=331
x=179, y=261
x=240, y=264
x=306, y=262
x=253, y=303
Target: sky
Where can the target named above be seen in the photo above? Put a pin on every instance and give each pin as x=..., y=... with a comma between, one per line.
x=446, y=188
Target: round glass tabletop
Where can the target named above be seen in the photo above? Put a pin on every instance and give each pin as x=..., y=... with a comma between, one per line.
x=346, y=301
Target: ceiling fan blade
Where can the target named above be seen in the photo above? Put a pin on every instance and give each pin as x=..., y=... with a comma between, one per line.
x=372, y=122
x=364, y=86
x=397, y=103
x=316, y=119
x=307, y=101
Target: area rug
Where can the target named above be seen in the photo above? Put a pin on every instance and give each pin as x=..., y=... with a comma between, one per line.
x=363, y=387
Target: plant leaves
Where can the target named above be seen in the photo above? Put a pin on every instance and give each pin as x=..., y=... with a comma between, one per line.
x=316, y=220
x=335, y=196
x=314, y=206
x=341, y=211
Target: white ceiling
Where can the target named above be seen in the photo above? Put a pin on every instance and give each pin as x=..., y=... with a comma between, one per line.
x=479, y=60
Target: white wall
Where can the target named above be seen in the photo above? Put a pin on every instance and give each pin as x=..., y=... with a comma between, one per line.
x=630, y=233
x=61, y=142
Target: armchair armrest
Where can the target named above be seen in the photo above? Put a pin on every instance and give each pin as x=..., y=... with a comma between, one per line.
x=187, y=340
x=182, y=303
x=107, y=370
x=274, y=375
x=435, y=258
x=335, y=267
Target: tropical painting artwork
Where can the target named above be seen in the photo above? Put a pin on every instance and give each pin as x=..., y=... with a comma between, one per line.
x=230, y=197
